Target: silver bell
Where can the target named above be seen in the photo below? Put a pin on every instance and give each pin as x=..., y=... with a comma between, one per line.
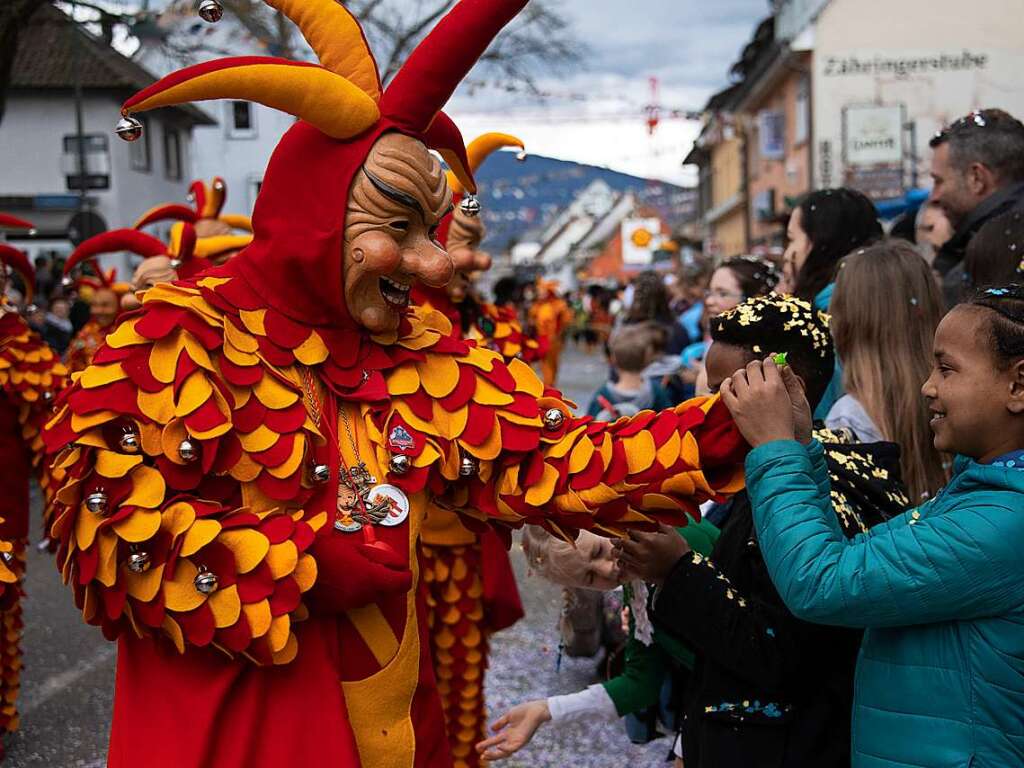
x=175, y=263
x=400, y=464
x=468, y=467
x=470, y=206
x=129, y=441
x=47, y=396
x=205, y=581
x=139, y=561
x=553, y=419
x=521, y=156
x=8, y=557
x=67, y=281
x=211, y=11
x=321, y=473
x=128, y=128
x=96, y=502
x=188, y=451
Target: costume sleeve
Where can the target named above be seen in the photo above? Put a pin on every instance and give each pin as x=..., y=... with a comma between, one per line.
x=590, y=703
x=639, y=684
x=33, y=377
x=914, y=569
x=166, y=521
x=530, y=460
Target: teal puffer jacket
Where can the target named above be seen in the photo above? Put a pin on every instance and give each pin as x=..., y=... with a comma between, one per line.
x=940, y=589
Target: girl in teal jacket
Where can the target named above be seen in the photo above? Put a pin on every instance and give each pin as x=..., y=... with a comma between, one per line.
x=940, y=589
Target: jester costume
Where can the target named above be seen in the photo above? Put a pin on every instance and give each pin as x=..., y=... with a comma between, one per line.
x=30, y=376
x=549, y=318
x=250, y=457
x=466, y=576
x=104, y=294
x=205, y=211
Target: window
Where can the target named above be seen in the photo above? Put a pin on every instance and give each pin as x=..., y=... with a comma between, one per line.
x=172, y=154
x=95, y=156
x=241, y=120
x=771, y=129
x=139, y=152
x=802, y=118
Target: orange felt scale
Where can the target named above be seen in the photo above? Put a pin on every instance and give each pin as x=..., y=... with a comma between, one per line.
x=243, y=418
x=453, y=586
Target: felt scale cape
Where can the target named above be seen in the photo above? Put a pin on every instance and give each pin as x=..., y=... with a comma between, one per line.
x=210, y=375
x=30, y=377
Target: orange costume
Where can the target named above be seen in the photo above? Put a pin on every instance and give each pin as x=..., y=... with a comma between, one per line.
x=250, y=458
x=30, y=376
x=550, y=316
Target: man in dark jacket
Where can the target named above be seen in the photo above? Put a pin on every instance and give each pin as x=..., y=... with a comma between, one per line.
x=977, y=173
x=767, y=689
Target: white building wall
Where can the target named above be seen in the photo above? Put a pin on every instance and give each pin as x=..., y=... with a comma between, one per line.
x=937, y=58
x=31, y=148
x=239, y=158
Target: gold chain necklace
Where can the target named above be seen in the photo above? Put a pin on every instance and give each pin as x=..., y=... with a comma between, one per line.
x=356, y=509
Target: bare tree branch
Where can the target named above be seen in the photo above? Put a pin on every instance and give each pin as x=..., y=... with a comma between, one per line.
x=540, y=40
x=14, y=15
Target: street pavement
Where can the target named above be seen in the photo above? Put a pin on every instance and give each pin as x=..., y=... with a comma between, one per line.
x=68, y=680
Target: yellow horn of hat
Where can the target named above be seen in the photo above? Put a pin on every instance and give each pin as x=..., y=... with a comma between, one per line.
x=339, y=96
x=478, y=150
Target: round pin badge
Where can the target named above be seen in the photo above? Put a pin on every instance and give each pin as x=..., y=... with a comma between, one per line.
x=396, y=500
x=349, y=525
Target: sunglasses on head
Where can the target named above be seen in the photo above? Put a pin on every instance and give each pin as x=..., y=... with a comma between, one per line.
x=974, y=119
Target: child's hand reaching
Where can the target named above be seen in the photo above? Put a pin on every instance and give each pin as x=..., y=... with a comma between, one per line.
x=514, y=729
x=650, y=556
x=767, y=403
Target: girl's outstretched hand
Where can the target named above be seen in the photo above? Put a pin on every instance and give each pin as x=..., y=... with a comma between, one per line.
x=514, y=729
x=767, y=403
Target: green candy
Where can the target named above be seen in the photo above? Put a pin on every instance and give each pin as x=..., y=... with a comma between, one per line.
x=779, y=358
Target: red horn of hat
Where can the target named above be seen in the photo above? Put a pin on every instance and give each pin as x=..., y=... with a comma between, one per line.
x=18, y=261
x=13, y=222
x=115, y=240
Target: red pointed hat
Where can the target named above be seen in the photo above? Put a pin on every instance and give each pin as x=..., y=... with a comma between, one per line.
x=295, y=261
x=207, y=203
x=17, y=259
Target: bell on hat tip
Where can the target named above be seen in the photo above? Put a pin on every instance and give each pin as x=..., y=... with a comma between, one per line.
x=66, y=281
x=521, y=155
x=400, y=464
x=470, y=206
x=175, y=263
x=128, y=128
x=210, y=11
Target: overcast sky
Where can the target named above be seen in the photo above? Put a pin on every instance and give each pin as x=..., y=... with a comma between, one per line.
x=595, y=111
x=595, y=115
